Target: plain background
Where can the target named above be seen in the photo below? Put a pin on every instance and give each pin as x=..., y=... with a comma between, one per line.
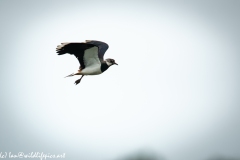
x=174, y=94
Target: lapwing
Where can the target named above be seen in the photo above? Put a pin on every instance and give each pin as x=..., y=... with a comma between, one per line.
x=90, y=56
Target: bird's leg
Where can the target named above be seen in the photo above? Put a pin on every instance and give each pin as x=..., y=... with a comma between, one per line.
x=78, y=81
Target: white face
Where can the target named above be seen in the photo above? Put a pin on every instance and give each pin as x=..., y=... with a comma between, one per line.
x=110, y=62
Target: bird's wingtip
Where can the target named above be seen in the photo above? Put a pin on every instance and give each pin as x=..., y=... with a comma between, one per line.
x=59, y=47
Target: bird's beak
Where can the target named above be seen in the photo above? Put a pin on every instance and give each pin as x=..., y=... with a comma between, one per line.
x=116, y=63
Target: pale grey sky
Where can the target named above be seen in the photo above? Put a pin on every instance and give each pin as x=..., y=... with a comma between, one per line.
x=175, y=92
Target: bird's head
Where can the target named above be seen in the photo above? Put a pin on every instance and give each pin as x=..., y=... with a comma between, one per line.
x=110, y=62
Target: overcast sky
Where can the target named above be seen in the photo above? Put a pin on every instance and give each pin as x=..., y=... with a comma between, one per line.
x=175, y=92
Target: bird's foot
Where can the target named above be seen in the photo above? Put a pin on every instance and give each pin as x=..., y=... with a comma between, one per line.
x=77, y=81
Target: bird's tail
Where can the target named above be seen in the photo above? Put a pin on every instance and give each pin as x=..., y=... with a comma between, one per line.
x=70, y=75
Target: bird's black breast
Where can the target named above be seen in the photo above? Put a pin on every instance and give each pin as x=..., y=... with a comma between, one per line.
x=104, y=66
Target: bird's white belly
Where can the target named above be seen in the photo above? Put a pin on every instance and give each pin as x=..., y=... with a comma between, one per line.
x=91, y=70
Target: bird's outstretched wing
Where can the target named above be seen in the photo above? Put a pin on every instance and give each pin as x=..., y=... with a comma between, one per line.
x=88, y=54
x=102, y=47
x=84, y=52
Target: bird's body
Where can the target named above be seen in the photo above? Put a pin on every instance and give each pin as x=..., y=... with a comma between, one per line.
x=90, y=56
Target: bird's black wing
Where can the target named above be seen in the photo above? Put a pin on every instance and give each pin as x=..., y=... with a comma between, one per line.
x=76, y=49
x=102, y=47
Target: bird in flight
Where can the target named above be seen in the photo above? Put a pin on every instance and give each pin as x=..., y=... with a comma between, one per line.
x=90, y=56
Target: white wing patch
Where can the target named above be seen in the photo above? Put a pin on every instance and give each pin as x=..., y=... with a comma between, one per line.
x=91, y=62
x=90, y=57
